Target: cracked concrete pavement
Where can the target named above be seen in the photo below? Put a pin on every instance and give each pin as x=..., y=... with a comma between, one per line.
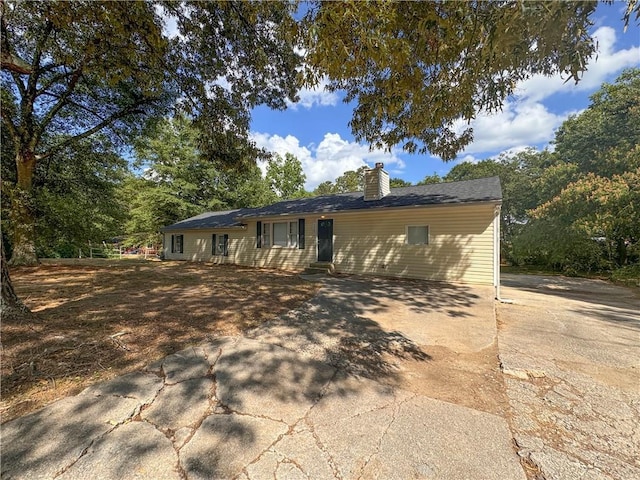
x=344, y=388
x=242, y=408
x=315, y=394
x=570, y=349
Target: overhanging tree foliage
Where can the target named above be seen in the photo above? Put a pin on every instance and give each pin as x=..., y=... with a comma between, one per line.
x=418, y=71
x=104, y=71
x=115, y=68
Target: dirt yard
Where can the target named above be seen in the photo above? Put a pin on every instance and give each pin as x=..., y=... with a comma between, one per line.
x=96, y=319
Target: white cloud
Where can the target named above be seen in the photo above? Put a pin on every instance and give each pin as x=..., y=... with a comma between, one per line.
x=518, y=124
x=317, y=95
x=600, y=68
x=468, y=159
x=330, y=158
x=526, y=121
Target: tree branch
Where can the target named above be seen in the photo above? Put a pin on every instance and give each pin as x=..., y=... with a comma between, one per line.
x=105, y=123
x=75, y=77
x=14, y=64
x=54, y=79
x=37, y=55
x=75, y=104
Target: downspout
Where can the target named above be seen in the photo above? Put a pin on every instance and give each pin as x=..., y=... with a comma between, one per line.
x=496, y=251
x=496, y=255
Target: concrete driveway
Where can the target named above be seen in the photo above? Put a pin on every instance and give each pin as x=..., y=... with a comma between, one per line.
x=370, y=379
x=570, y=349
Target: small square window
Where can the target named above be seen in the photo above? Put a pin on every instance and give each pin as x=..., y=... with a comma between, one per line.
x=418, y=235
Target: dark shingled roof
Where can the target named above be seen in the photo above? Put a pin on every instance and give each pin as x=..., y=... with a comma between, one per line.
x=481, y=190
x=449, y=193
x=223, y=219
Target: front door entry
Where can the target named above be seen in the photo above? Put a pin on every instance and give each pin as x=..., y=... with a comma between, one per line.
x=325, y=240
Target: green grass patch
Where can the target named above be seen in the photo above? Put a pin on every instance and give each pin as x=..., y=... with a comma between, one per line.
x=628, y=276
x=528, y=270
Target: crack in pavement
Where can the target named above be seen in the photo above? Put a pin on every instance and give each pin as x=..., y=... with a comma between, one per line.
x=291, y=427
x=331, y=461
x=63, y=470
x=396, y=408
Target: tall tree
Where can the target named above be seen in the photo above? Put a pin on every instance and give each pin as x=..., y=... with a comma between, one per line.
x=610, y=124
x=398, y=182
x=285, y=176
x=325, y=188
x=518, y=173
x=591, y=190
x=417, y=70
x=351, y=181
x=101, y=73
x=75, y=197
x=115, y=68
x=179, y=181
x=429, y=179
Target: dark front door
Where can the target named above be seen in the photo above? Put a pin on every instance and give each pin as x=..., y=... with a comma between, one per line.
x=325, y=240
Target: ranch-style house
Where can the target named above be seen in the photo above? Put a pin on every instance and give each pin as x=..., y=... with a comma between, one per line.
x=445, y=231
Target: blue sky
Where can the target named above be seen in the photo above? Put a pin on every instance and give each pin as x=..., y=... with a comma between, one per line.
x=316, y=128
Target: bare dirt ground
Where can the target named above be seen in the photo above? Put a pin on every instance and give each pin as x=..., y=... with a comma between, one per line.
x=97, y=319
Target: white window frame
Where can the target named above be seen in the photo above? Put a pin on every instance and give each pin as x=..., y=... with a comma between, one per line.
x=293, y=234
x=406, y=235
x=290, y=239
x=266, y=234
x=281, y=241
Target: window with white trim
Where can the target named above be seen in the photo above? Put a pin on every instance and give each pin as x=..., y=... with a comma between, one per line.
x=280, y=234
x=293, y=234
x=417, y=235
x=285, y=234
x=266, y=237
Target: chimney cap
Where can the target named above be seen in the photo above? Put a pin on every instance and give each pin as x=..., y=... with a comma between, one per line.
x=379, y=165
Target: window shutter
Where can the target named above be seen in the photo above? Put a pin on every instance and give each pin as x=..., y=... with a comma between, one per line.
x=301, y=233
x=225, y=248
x=259, y=235
x=173, y=248
x=213, y=244
x=181, y=243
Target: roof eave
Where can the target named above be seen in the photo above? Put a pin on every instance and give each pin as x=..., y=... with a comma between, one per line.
x=219, y=227
x=368, y=209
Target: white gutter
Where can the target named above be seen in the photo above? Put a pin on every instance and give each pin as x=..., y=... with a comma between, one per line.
x=496, y=256
x=496, y=251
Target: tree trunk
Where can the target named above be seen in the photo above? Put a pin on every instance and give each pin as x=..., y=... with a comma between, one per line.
x=10, y=304
x=23, y=222
x=621, y=251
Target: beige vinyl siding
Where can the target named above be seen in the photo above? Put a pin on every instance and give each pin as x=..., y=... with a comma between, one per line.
x=198, y=247
x=373, y=242
x=460, y=245
x=285, y=258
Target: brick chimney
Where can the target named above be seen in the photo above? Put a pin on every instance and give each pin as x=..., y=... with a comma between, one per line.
x=376, y=183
